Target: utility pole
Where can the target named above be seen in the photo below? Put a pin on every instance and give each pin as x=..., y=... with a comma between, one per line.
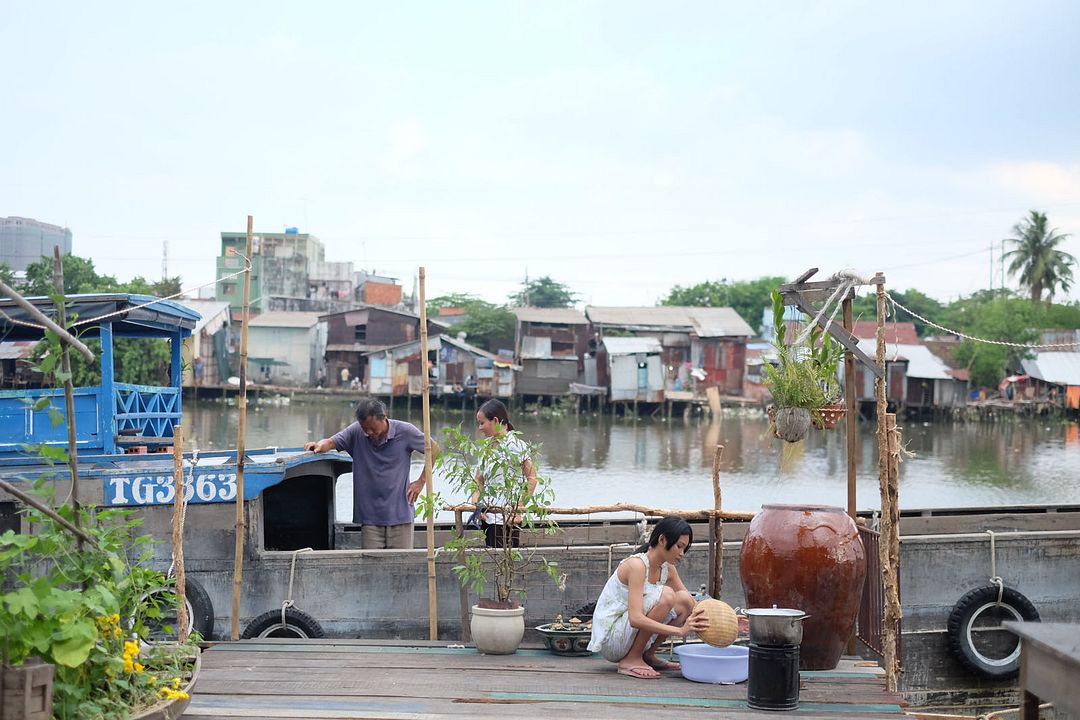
x=991, y=268
x=1003, y=265
x=164, y=260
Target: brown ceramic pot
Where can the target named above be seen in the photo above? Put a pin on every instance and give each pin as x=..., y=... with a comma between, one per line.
x=807, y=557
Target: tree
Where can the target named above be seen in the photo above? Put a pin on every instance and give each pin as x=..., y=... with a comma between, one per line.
x=7, y=275
x=79, y=277
x=486, y=325
x=544, y=293
x=1035, y=257
x=1006, y=319
x=747, y=297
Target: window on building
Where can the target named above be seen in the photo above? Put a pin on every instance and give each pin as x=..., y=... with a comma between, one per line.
x=360, y=333
x=228, y=288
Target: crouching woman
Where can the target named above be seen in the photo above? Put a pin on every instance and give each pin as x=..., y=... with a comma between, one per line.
x=644, y=602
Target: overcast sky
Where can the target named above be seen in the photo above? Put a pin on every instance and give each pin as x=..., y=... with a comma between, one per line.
x=619, y=147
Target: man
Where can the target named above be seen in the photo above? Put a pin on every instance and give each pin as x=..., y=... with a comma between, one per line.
x=383, y=497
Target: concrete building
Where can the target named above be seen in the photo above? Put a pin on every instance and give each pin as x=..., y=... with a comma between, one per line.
x=286, y=348
x=208, y=348
x=281, y=265
x=377, y=289
x=24, y=241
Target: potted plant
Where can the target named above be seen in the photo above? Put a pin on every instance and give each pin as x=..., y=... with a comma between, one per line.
x=85, y=614
x=802, y=381
x=825, y=356
x=490, y=471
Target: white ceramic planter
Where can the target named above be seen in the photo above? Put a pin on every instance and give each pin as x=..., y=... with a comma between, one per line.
x=497, y=632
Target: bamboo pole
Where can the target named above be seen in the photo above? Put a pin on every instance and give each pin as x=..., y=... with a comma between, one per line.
x=178, y=534
x=433, y=610
x=716, y=523
x=69, y=391
x=238, y=553
x=628, y=507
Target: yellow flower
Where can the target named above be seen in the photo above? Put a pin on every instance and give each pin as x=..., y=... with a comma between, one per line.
x=128, y=665
x=138, y=667
x=117, y=632
x=153, y=680
x=176, y=683
x=115, y=618
x=131, y=648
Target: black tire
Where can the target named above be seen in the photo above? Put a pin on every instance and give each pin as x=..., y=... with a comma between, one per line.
x=200, y=615
x=962, y=621
x=298, y=625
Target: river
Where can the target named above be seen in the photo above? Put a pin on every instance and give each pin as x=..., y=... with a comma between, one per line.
x=596, y=460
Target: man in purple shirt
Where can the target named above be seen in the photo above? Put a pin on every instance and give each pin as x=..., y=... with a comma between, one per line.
x=383, y=497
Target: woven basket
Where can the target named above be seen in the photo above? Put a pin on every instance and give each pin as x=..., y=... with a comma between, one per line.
x=723, y=625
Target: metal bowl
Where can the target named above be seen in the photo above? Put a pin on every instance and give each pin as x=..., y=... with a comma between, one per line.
x=775, y=626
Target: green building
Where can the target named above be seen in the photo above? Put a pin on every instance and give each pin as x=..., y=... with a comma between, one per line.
x=280, y=266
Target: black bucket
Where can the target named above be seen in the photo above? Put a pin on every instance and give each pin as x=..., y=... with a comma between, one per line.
x=773, y=682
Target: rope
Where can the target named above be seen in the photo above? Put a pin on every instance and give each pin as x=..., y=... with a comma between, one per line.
x=995, y=579
x=848, y=280
x=292, y=573
x=1005, y=343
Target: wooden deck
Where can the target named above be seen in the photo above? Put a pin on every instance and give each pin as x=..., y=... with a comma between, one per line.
x=359, y=679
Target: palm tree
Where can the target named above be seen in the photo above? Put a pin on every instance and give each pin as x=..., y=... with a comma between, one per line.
x=1036, y=258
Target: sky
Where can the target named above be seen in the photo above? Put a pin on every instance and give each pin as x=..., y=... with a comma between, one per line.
x=621, y=148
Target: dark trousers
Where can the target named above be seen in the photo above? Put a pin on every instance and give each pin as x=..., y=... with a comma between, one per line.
x=497, y=534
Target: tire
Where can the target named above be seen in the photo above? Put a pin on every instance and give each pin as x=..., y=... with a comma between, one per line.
x=962, y=622
x=200, y=614
x=298, y=625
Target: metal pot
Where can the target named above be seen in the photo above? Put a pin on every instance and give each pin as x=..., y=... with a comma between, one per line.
x=775, y=626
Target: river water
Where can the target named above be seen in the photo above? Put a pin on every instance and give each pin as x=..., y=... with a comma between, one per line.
x=599, y=460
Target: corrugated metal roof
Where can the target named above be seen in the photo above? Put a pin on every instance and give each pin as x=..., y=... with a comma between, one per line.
x=922, y=363
x=1058, y=368
x=17, y=349
x=284, y=318
x=631, y=345
x=215, y=313
x=718, y=322
x=557, y=316
x=902, y=333
x=706, y=322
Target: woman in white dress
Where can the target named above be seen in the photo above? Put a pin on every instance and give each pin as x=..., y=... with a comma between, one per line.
x=645, y=601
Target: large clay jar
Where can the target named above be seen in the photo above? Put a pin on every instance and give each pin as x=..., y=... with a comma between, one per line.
x=807, y=557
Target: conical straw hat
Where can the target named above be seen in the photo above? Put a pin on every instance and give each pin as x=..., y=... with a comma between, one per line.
x=723, y=625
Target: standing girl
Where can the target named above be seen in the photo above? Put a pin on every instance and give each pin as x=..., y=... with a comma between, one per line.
x=493, y=421
x=645, y=601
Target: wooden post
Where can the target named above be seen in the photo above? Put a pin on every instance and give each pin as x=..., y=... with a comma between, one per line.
x=849, y=401
x=716, y=524
x=888, y=505
x=238, y=551
x=433, y=609
x=69, y=393
x=890, y=553
x=178, y=534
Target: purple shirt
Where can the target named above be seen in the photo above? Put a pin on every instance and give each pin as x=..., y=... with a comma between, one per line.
x=381, y=472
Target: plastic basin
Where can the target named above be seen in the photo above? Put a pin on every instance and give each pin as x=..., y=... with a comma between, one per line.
x=708, y=664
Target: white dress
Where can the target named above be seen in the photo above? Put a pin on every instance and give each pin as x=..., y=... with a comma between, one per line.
x=612, y=634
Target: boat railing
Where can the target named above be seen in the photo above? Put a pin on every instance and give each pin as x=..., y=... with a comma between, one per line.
x=145, y=413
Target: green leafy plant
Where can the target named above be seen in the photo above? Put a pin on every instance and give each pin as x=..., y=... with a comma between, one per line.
x=795, y=379
x=505, y=489
x=86, y=611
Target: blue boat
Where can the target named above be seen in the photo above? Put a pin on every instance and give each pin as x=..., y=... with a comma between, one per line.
x=124, y=438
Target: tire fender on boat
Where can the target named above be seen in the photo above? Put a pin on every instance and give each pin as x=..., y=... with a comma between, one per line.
x=297, y=624
x=962, y=621
x=200, y=610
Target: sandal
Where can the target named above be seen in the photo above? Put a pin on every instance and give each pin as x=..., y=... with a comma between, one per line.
x=643, y=672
